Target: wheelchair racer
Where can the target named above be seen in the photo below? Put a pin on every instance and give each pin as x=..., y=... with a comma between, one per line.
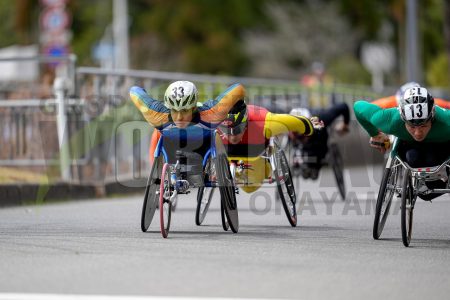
x=314, y=148
x=179, y=115
x=246, y=133
x=423, y=130
x=394, y=100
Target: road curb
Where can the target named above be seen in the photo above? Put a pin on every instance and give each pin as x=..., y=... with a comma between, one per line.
x=27, y=193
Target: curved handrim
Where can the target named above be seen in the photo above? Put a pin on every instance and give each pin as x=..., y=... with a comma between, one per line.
x=165, y=184
x=384, y=201
x=406, y=208
x=150, y=203
x=338, y=169
x=286, y=180
x=227, y=192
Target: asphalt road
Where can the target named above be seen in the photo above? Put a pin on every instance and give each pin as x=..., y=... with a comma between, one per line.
x=97, y=248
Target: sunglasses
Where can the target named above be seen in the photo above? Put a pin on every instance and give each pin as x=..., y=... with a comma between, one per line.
x=233, y=130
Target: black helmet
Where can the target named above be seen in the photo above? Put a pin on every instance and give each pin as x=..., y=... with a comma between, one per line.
x=236, y=120
x=416, y=106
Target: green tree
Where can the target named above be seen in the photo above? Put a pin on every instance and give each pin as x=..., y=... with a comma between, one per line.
x=201, y=36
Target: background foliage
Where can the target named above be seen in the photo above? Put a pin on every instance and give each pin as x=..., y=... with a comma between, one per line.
x=261, y=38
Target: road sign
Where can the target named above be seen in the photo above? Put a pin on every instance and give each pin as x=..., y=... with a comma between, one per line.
x=378, y=57
x=54, y=19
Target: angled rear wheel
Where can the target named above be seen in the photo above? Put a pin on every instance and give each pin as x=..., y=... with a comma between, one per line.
x=407, y=208
x=204, y=197
x=205, y=194
x=384, y=200
x=285, y=185
x=151, y=197
x=337, y=164
x=165, y=204
x=227, y=192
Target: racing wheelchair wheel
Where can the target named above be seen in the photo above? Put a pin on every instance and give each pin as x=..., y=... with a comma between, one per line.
x=229, y=210
x=407, y=207
x=384, y=200
x=204, y=196
x=285, y=185
x=165, y=205
x=337, y=165
x=151, y=194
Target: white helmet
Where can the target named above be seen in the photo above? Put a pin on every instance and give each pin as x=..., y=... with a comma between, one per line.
x=300, y=111
x=181, y=95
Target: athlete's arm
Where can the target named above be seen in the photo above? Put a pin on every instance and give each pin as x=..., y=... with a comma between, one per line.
x=330, y=114
x=375, y=119
x=215, y=111
x=440, y=130
x=153, y=110
x=276, y=124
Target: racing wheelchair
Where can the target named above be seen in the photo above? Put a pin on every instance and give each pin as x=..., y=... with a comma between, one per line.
x=333, y=159
x=196, y=160
x=408, y=183
x=279, y=172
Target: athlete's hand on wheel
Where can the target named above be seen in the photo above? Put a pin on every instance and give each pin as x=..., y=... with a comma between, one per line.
x=380, y=142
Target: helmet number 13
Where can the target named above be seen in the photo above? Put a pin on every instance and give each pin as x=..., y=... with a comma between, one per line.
x=416, y=111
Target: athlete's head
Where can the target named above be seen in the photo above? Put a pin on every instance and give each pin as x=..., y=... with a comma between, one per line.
x=417, y=110
x=181, y=98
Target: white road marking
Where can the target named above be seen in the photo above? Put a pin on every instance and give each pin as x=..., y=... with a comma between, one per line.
x=13, y=296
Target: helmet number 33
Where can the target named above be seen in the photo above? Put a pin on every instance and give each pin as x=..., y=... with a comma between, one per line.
x=177, y=92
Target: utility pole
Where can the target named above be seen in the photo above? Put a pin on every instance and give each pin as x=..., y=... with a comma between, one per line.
x=413, y=61
x=120, y=33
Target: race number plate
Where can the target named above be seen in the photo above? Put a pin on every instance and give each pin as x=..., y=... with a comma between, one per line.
x=416, y=111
